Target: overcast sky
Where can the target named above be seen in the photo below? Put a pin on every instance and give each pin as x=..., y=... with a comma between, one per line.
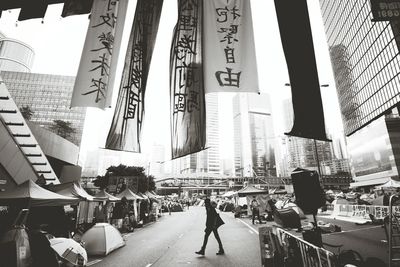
x=58, y=44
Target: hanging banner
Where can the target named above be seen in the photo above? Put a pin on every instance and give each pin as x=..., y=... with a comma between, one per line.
x=94, y=81
x=188, y=116
x=295, y=31
x=385, y=10
x=126, y=125
x=76, y=7
x=229, y=51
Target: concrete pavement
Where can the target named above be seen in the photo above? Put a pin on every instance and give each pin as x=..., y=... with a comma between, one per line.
x=173, y=240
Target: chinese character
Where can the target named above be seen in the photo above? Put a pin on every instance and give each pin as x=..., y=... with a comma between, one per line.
x=383, y=5
x=180, y=104
x=184, y=47
x=133, y=100
x=223, y=13
x=110, y=4
x=188, y=5
x=107, y=40
x=228, y=78
x=187, y=75
x=193, y=101
x=103, y=65
x=231, y=32
x=100, y=89
x=229, y=55
x=187, y=22
x=110, y=21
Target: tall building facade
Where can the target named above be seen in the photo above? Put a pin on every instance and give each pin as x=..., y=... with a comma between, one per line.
x=208, y=160
x=49, y=97
x=253, y=136
x=303, y=152
x=366, y=64
x=15, y=55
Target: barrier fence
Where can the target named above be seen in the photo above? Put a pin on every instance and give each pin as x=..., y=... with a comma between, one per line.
x=280, y=248
x=363, y=211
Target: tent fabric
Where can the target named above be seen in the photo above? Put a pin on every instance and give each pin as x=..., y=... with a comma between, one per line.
x=72, y=189
x=229, y=194
x=340, y=201
x=251, y=190
x=104, y=196
x=129, y=195
x=390, y=184
x=36, y=195
x=102, y=239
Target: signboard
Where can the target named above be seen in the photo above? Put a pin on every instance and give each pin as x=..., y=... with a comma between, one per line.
x=385, y=10
x=117, y=184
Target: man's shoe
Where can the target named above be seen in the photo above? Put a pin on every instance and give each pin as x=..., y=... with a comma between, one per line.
x=200, y=252
x=220, y=252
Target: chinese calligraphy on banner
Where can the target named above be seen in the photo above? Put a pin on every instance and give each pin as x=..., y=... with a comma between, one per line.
x=94, y=81
x=229, y=51
x=385, y=10
x=186, y=81
x=125, y=129
x=296, y=37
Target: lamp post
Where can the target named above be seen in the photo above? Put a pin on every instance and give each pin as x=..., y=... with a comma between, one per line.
x=315, y=144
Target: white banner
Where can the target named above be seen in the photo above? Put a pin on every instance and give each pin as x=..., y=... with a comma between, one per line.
x=95, y=78
x=229, y=51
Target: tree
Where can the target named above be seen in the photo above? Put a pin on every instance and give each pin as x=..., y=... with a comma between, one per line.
x=144, y=182
x=62, y=128
x=26, y=112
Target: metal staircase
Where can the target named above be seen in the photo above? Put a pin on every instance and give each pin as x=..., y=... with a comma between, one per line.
x=20, y=134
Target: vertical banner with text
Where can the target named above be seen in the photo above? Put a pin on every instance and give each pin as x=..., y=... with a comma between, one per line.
x=295, y=31
x=126, y=125
x=229, y=50
x=188, y=118
x=94, y=81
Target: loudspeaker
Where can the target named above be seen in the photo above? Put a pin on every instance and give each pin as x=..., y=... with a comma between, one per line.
x=307, y=189
x=287, y=218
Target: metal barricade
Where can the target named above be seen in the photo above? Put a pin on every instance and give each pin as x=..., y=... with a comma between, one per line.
x=290, y=250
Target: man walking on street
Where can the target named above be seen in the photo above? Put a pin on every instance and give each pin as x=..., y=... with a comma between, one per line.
x=212, y=224
x=255, y=209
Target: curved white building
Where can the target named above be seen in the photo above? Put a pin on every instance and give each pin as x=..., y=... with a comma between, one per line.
x=15, y=55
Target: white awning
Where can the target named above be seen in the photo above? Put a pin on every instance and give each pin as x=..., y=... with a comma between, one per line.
x=376, y=181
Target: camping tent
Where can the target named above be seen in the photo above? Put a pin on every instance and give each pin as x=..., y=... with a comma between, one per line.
x=250, y=192
x=129, y=195
x=342, y=201
x=35, y=195
x=104, y=196
x=72, y=189
x=101, y=239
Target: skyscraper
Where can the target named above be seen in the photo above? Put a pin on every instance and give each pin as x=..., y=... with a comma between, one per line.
x=49, y=97
x=254, y=151
x=208, y=160
x=366, y=63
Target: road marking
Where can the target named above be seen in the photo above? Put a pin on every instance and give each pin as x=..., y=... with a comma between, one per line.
x=93, y=262
x=251, y=232
x=148, y=265
x=251, y=228
x=354, y=230
x=180, y=236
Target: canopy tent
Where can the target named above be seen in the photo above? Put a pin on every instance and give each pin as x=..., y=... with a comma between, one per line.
x=390, y=184
x=104, y=196
x=36, y=196
x=151, y=196
x=229, y=194
x=129, y=195
x=72, y=189
x=251, y=190
x=342, y=201
x=101, y=239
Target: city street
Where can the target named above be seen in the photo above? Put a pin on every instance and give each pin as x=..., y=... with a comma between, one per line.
x=173, y=240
